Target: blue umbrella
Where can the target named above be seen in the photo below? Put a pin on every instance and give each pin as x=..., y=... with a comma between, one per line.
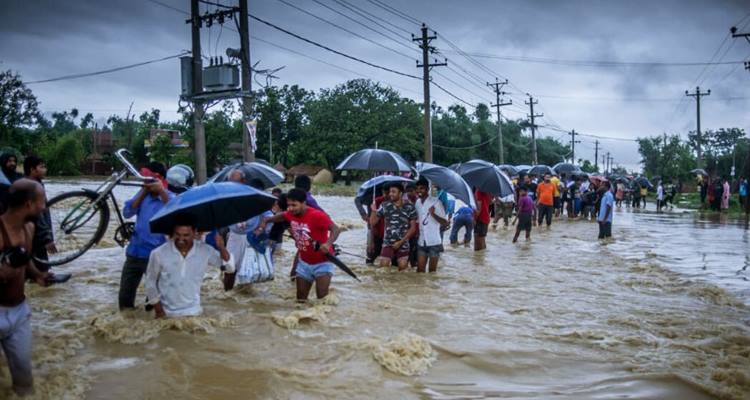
x=213, y=205
x=364, y=193
x=486, y=177
x=448, y=180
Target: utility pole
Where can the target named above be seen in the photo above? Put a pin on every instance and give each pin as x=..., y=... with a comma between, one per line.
x=596, y=155
x=609, y=163
x=733, y=30
x=424, y=44
x=496, y=87
x=532, y=116
x=129, y=125
x=573, y=142
x=604, y=163
x=200, y=133
x=270, y=142
x=698, y=94
x=247, y=101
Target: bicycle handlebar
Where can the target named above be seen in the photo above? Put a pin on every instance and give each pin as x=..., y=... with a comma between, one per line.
x=121, y=155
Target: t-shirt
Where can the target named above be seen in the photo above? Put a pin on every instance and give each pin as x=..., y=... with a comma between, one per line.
x=607, y=200
x=308, y=228
x=555, y=181
x=429, y=227
x=545, y=192
x=525, y=205
x=397, y=221
x=379, y=228
x=484, y=211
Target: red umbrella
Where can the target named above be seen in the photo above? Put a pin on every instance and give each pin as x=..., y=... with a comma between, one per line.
x=596, y=179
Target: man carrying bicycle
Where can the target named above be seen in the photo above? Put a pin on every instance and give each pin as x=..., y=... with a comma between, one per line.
x=149, y=200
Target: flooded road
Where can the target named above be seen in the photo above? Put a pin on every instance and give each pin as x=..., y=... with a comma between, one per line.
x=661, y=312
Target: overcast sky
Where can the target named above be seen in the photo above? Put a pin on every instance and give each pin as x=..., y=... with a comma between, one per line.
x=46, y=39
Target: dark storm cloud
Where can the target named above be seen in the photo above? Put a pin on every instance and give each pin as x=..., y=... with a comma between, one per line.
x=44, y=39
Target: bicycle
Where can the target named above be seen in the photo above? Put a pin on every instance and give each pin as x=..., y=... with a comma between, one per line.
x=80, y=218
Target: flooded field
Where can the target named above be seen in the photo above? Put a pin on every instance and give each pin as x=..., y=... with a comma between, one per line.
x=661, y=312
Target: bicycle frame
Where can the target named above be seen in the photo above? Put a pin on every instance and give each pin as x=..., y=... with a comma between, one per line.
x=77, y=217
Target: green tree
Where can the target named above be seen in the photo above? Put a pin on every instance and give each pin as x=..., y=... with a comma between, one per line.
x=18, y=106
x=64, y=156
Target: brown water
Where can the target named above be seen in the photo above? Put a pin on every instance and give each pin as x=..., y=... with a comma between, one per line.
x=659, y=313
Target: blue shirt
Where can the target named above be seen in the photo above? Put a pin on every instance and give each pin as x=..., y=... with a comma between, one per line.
x=143, y=241
x=607, y=200
x=448, y=204
x=743, y=188
x=465, y=211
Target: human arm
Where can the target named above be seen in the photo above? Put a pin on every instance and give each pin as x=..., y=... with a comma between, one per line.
x=361, y=209
x=221, y=258
x=153, y=272
x=438, y=213
x=275, y=219
x=375, y=214
x=409, y=234
x=333, y=234
x=130, y=209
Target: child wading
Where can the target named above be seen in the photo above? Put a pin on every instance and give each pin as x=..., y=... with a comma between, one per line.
x=525, y=213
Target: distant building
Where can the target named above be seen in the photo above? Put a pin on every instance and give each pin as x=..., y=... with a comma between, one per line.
x=316, y=173
x=174, y=135
x=102, y=147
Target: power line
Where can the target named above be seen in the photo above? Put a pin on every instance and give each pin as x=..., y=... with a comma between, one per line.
x=451, y=94
x=344, y=29
x=467, y=147
x=107, y=71
x=396, y=12
x=595, y=63
x=361, y=12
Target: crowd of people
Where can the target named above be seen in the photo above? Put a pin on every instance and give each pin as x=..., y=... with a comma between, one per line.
x=406, y=227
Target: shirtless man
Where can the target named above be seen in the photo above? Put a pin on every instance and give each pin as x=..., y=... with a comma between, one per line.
x=25, y=201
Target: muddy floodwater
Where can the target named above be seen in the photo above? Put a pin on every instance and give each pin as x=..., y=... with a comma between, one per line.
x=661, y=312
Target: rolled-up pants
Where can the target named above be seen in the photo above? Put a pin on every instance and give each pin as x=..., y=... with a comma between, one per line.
x=15, y=338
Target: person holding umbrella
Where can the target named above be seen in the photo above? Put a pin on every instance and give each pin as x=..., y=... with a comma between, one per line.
x=314, y=234
x=432, y=219
x=176, y=269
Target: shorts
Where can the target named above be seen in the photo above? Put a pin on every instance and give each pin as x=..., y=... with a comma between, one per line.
x=557, y=202
x=430, y=251
x=524, y=222
x=389, y=252
x=310, y=272
x=480, y=229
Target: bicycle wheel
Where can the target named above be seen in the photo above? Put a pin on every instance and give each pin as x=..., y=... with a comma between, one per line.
x=77, y=224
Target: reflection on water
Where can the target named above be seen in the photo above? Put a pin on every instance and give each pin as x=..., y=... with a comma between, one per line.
x=658, y=313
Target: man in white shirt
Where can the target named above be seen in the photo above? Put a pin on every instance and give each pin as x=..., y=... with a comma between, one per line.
x=659, y=197
x=176, y=269
x=431, y=217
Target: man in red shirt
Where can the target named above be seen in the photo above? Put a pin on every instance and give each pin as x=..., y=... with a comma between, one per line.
x=482, y=218
x=314, y=234
x=545, y=194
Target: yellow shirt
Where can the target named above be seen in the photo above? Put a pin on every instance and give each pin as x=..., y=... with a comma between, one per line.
x=555, y=181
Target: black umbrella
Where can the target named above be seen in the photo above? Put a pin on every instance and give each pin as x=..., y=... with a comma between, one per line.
x=523, y=169
x=335, y=260
x=268, y=175
x=486, y=177
x=375, y=160
x=448, y=180
x=213, y=205
x=540, y=170
x=566, y=168
x=508, y=169
x=364, y=193
x=643, y=181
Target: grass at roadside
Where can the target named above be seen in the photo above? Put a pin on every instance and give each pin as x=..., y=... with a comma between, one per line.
x=692, y=201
